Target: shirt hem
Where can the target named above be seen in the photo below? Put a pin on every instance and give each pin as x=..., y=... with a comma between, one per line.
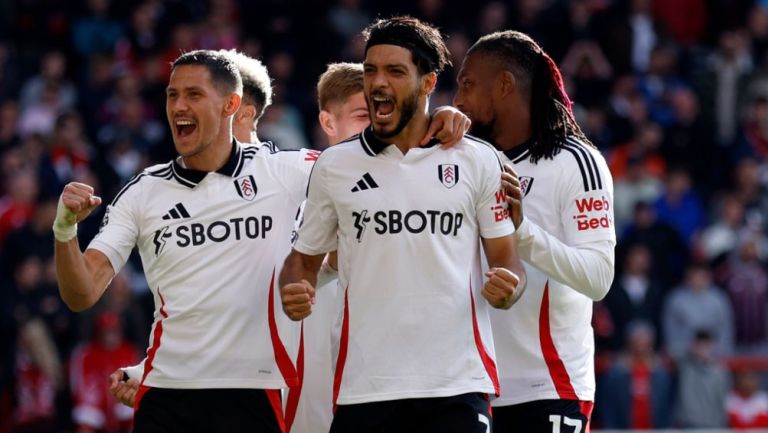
x=372, y=398
x=216, y=383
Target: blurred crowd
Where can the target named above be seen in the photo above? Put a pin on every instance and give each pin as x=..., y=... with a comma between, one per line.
x=673, y=92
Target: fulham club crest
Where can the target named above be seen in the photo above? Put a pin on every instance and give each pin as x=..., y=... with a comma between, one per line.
x=246, y=187
x=448, y=174
x=526, y=182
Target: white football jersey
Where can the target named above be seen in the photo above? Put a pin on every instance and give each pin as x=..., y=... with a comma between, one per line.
x=212, y=245
x=544, y=343
x=414, y=322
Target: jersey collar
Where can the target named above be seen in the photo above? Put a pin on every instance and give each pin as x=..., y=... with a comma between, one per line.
x=373, y=146
x=190, y=177
x=518, y=153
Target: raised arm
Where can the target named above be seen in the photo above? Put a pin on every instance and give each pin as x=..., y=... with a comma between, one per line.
x=506, y=275
x=82, y=277
x=297, y=281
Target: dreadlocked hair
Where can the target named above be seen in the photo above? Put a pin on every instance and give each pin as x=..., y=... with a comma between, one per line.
x=551, y=113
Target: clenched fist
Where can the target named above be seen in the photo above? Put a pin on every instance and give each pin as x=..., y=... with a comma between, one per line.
x=500, y=288
x=298, y=299
x=76, y=202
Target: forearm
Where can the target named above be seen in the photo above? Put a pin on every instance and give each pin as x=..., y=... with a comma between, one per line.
x=588, y=270
x=299, y=267
x=78, y=279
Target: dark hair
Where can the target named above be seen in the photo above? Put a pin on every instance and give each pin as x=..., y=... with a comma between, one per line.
x=224, y=73
x=551, y=116
x=338, y=83
x=425, y=42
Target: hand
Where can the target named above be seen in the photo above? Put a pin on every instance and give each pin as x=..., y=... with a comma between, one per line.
x=123, y=390
x=448, y=125
x=75, y=204
x=500, y=288
x=298, y=299
x=510, y=184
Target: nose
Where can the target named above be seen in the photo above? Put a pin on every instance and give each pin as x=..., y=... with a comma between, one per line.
x=458, y=100
x=378, y=80
x=177, y=104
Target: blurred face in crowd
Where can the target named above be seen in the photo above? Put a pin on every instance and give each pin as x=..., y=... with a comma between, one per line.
x=392, y=88
x=476, y=93
x=197, y=110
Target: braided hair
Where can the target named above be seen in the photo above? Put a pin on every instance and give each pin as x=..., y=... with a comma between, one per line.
x=537, y=74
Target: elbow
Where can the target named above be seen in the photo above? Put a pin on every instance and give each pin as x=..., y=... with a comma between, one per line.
x=599, y=289
x=76, y=302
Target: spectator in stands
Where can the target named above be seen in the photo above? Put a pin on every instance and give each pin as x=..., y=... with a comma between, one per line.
x=669, y=251
x=98, y=32
x=750, y=187
x=697, y=306
x=680, y=206
x=635, y=295
x=9, y=118
x=39, y=378
x=661, y=78
x=721, y=236
x=637, y=391
x=53, y=68
x=94, y=409
x=18, y=204
x=702, y=385
x=746, y=404
x=636, y=186
x=745, y=279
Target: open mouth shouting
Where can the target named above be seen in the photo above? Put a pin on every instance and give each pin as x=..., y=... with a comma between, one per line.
x=383, y=107
x=185, y=127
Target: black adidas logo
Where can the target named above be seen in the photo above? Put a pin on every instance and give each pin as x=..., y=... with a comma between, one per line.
x=366, y=182
x=177, y=212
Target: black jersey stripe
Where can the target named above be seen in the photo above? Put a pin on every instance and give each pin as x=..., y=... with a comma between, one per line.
x=583, y=146
x=584, y=155
x=164, y=172
x=490, y=146
x=523, y=156
x=133, y=181
x=581, y=166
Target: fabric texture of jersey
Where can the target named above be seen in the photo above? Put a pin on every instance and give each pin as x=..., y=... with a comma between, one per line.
x=545, y=342
x=414, y=322
x=211, y=245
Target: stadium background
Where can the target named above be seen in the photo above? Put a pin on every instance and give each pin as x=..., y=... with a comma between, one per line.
x=673, y=92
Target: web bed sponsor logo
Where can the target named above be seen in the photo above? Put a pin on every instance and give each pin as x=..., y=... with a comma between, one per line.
x=415, y=221
x=593, y=213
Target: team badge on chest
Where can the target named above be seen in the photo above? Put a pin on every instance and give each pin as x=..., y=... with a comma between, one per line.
x=448, y=174
x=246, y=187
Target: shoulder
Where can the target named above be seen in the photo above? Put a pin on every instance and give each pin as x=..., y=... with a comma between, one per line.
x=583, y=163
x=158, y=172
x=481, y=150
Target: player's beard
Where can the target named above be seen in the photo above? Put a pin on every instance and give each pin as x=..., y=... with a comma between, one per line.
x=407, y=110
x=483, y=130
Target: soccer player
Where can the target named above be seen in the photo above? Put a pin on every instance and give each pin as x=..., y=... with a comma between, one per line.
x=211, y=227
x=343, y=113
x=415, y=351
x=513, y=93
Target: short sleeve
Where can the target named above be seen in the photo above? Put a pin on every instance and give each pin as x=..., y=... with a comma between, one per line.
x=119, y=228
x=491, y=208
x=319, y=225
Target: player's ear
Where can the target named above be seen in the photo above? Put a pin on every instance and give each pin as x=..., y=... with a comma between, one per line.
x=428, y=83
x=507, y=82
x=327, y=122
x=232, y=104
x=246, y=112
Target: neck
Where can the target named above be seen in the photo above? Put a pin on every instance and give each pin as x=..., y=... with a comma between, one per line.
x=213, y=157
x=514, y=130
x=413, y=132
